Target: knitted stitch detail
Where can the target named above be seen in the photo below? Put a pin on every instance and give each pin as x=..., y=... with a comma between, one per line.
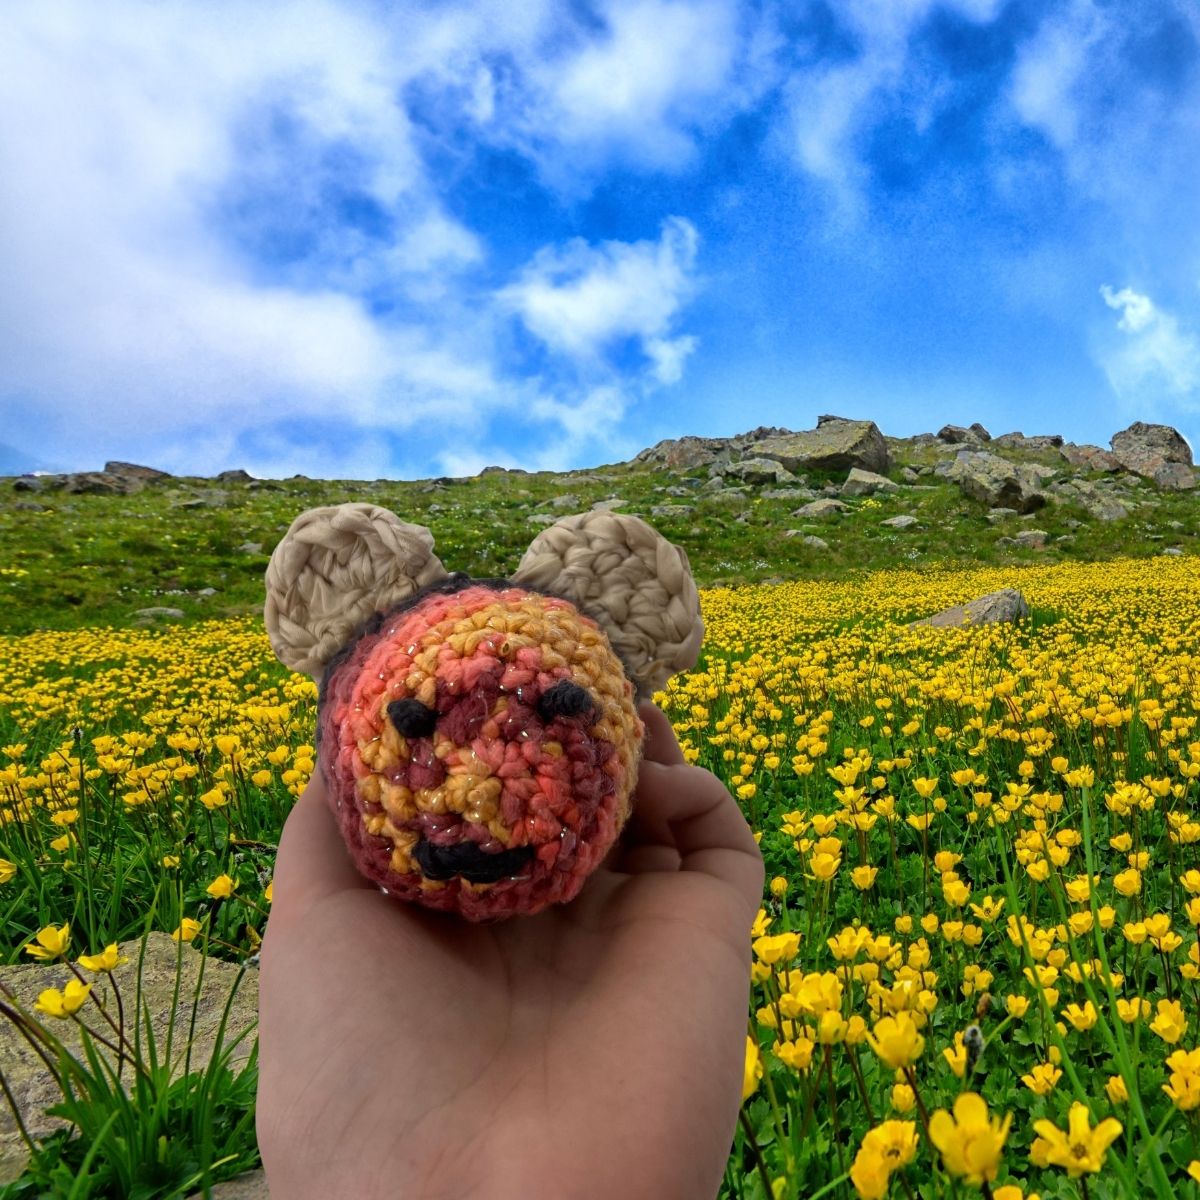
x=332, y=569
x=637, y=584
x=494, y=771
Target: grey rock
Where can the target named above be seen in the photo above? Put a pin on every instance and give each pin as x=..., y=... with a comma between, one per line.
x=1089, y=458
x=958, y=434
x=155, y=612
x=212, y=499
x=29, y=506
x=728, y=495
x=685, y=453
x=1143, y=448
x=995, y=481
x=815, y=542
x=1000, y=514
x=566, y=500
x=250, y=1186
x=757, y=471
x=1032, y=539
x=714, y=484
x=831, y=489
x=923, y=439
x=540, y=519
x=835, y=445
x=1005, y=605
x=671, y=510
x=795, y=493
x=1039, y=441
x=904, y=521
x=1175, y=477
x=821, y=508
x=168, y=970
x=237, y=475
x=867, y=483
x=205, y=592
x=250, y=548
x=27, y=483
x=1174, y=551
x=1092, y=497
x=126, y=470
x=909, y=475
x=609, y=505
x=100, y=483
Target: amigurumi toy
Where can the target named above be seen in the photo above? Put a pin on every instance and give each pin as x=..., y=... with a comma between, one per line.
x=479, y=737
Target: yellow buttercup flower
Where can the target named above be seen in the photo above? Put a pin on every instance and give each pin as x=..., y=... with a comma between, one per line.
x=63, y=1003
x=896, y=1040
x=7, y=870
x=1079, y=1149
x=222, y=886
x=971, y=1140
x=753, y=1069
x=110, y=958
x=188, y=928
x=52, y=942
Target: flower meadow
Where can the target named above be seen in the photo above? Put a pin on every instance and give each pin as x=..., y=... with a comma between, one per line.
x=975, y=966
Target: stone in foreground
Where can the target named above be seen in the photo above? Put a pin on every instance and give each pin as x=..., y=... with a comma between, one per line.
x=867, y=483
x=1005, y=605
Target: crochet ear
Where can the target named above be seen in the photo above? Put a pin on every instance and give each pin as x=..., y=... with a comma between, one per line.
x=335, y=567
x=628, y=578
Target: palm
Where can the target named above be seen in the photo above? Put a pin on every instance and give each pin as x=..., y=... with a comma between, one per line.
x=578, y=1043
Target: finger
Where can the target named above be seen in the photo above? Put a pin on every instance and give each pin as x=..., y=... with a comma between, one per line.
x=660, y=745
x=313, y=862
x=690, y=809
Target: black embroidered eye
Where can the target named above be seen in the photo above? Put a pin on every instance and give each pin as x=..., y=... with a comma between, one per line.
x=411, y=718
x=563, y=699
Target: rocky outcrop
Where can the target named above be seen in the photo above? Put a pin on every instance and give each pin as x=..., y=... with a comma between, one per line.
x=1175, y=477
x=1005, y=605
x=835, y=445
x=958, y=435
x=1040, y=441
x=995, y=481
x=1144, y=448
x=1089, y=458
x=133, y=471
x=685, y=453
x=1098, y=502
x=755, y=471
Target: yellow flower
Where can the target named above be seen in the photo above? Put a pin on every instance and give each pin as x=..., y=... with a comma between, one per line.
x=102, y=962
x=222, y=886
x=1042, y=1079
x=1194, y=1169
x=187, y=930
x=771, y=948
x=970, y=1142
x=1082, y=1018
x=886, y=1148
x=62, y=1004
x=904, y=1099
x=1170, y=1024
x=779, y=887
x=214, y=798
x=1017, y=1006
x=896, y=1040
x=753, y=1069
x=7, y=870
x=269, y=894
x=863, y=877
x=52, y=942
x=824, y=866
x=1128, y=883
x=1118, y=1093
x=1078, y=1150
x=170, y=860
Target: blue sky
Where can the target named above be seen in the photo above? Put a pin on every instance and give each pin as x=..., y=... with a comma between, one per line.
x=368, y=240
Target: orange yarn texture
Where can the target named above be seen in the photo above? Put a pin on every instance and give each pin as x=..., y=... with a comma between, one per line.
x=497, y=804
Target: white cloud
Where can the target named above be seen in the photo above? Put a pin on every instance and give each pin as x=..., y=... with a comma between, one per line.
x=156, y=159
x=580, y=299
x=1155, y=358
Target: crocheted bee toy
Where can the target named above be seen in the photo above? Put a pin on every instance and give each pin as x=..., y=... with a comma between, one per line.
x=479, y=737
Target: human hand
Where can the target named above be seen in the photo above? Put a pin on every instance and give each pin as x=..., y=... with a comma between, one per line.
x=593, y=1050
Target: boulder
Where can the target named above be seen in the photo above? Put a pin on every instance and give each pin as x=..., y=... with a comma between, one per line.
x=835, y=445
x=756, y=471
x=170, y=973
x=821, y=508
x=133, y=471
x=1089, y=458
x=1005, y=605
x=158, y=611
x=808, y=539
x=27, y=483
x=1040, y=441
x=1143, y=448
x=671, y=511
x=1032, y=539
x=995, y=481
x=682, y=454
x=100, y=483
x=867, y=483
x=957, y=434
x=909, y=475
x=904, y=521
x=237, y=475
x=1095, y=500
x=1175, y=477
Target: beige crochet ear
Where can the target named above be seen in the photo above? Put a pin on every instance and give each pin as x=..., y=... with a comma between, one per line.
x=630, y=579
x=334, y=568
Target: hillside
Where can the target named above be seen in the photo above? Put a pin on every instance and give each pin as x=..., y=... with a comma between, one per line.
x=104, y=547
